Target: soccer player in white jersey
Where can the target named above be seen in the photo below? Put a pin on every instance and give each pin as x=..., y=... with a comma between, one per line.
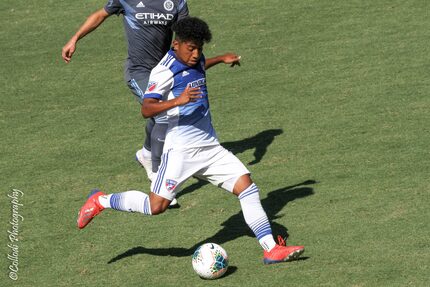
x=178, y=85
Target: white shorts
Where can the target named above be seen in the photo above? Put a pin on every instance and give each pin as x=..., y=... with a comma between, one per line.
x=212, y=163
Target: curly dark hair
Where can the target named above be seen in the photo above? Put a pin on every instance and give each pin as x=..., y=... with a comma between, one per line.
x=192, y=29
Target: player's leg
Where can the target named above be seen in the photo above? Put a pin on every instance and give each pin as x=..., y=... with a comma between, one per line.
x=129, y=201
x=256, y=218
x=163, y=189
x=230, y=173
x=144, y=155
x=158, y=135
x=137, y=84
x=174, y=170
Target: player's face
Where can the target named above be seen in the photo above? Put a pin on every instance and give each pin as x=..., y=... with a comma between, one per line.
x=188, y=52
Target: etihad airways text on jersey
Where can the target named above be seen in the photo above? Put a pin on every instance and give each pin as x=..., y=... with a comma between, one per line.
x=154, y=16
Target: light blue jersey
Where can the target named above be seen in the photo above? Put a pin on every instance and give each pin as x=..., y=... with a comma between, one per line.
x=189, y=125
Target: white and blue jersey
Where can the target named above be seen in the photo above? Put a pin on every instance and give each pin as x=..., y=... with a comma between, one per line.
x=189, y=125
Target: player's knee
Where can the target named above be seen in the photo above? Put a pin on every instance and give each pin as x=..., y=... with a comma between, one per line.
x=242, y=184
x=158, y=203
x=159, y=207
x=157, y=210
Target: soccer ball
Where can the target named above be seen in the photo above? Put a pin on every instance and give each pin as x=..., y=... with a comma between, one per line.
x=210, y=261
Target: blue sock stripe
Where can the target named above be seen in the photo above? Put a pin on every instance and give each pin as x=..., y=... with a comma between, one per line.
x=115, y=201
x=146, y=206
x=263, y=230
x=261, y=227
x=245, y=194
x=262, y=234
x=248, y=191
x=258, y=222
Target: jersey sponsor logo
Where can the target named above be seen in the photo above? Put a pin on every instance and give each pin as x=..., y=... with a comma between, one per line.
x=154, y=16
x=185, y=73
x=151, y=86
x=140, y=5
x=197, y=83
x=170, y=184
x=168, y=5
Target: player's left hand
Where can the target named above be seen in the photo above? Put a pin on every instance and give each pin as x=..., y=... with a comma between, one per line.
x=231, y=58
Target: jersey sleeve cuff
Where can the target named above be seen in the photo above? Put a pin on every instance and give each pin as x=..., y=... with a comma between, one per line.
x=152, y=96
x=111, y=11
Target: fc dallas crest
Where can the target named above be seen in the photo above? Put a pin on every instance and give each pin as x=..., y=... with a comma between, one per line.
x=170, y=184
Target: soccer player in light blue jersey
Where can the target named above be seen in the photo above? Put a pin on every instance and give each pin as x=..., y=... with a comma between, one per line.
x=178, y=85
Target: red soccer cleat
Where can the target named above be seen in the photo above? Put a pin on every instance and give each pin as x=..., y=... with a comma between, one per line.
x=281, y=253
x=90, y=209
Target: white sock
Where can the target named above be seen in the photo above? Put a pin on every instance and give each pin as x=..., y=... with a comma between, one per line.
x=131, y=201
x=146, y=153
x=104, y=200
x=256, y=217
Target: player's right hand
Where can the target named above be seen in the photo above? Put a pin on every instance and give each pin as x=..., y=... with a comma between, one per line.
x=189, y=95
x=68, y=51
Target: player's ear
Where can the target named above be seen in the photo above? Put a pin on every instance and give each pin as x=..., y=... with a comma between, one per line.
x=175, y=45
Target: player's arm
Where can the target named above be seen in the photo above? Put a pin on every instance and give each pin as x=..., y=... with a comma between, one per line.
x=229, y=58
x=153, y=106
x=92, y=22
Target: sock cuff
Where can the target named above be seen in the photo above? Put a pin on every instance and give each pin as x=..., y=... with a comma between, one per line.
x=249, y=191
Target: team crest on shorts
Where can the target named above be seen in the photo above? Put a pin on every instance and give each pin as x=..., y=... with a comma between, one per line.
x=168, y=5
x=171, y=184
x=151, y=86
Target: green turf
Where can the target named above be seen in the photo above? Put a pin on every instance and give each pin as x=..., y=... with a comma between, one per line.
x=330, y=107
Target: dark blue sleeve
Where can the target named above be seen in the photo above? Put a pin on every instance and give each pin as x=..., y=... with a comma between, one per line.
x=182, y=9
x=114, y=7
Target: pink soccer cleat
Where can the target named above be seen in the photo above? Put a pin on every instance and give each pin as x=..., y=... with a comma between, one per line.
x=90, y=209
x=282, y=253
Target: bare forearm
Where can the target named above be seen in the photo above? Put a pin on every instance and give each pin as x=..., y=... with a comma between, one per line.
x=213, y=61
x=152, y=108
x=92, y=22
x=229, y=58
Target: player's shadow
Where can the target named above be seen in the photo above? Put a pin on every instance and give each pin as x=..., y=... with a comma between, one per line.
x=235, y=226
x=260, y=142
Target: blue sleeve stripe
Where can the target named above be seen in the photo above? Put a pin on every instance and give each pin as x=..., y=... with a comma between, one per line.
x=152, y=95
x=137, y=88
x=182, y=4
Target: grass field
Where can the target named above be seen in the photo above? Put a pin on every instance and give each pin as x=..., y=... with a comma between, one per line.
x=330, y=109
